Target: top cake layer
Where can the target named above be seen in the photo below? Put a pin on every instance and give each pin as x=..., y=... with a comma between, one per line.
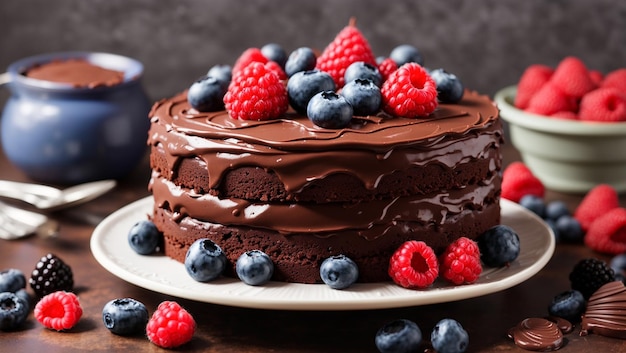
x=299, y=153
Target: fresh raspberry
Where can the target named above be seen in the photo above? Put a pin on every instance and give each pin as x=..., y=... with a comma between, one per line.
x=572, y=77
x=597, y=77
x=607, y=234
x=170, y=325
x=565, y=115
x=59, y=310
x=414, y=265
x=349, y=46
x=604, y=105
x=275, y=68
x=249, y=56
x=531, y=81
x=518, y=181
x=549, y=100
x=387, y=67
x=616, y=79
x=460, y=262
x=256, y=93
x=598, y=201
x=409, y=92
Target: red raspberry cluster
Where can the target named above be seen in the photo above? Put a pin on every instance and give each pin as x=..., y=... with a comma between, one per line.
x=259, y=94
x=415, y=264
x=572, y=91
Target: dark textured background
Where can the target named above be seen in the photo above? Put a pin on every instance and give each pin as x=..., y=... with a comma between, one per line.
x=487, y=43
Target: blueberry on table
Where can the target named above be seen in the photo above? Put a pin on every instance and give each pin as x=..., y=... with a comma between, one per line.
x=533, y=203
x=144, y=237
x=125, y=316
x=205, y=260
x=254, y=267
x=556, y=209
x=329, y=110
x=13, y=311
x=339, y=272
x=569, y=305
x=449, y=336
x=399, y=336
x=12, y=280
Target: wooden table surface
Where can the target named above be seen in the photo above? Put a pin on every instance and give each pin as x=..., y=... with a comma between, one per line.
x=232, y=329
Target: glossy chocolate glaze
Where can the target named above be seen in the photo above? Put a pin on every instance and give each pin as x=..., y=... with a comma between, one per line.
x=299, y=152
x=606, y=312
x=76, y=72
x=537, y=334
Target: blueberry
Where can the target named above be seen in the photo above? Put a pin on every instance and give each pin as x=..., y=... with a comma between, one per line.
x=499, y=246
x=569, y=305
x=556, y=209
x=12, y=280
x=13, y=311
x=144, y=237
x=448, y=336
x=363, y=95
x=221, y=72
x=534, y=204
x=569, y=229
x=254, y=267
x=618, y=264
x=125, y=316
x=303, y=85
x=363, y=71
x=329, y=110
x=207, y=94
x=552, y=224
x=301, y=59
x=449, y=88
x=406, y=53
x=205, y=260
x=275, y=52
x=399, y=336
x=339, y=272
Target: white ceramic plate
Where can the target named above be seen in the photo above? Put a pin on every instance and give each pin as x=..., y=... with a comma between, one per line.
x=161, y=274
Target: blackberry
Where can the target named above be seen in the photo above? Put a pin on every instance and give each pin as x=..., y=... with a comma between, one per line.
x=51, y=274
x=590, y=274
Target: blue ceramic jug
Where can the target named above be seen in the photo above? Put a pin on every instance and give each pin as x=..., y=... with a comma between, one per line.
x=61, y=134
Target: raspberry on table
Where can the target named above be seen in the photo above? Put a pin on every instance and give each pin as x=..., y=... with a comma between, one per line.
x=59, y=310
x=349, y=46
x=51, y=274
x=256, y=93
x=607, y=233
x=170, y=325
x=414, y=265
x=598, y=201
x=460, y=262
x=409, y=92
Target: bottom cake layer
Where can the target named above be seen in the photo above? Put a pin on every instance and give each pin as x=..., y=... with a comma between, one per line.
x=297, y=257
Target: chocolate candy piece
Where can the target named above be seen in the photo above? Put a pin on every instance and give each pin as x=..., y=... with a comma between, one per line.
x=537, y=334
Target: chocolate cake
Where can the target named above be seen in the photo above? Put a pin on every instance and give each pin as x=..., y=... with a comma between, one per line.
x=301, y=193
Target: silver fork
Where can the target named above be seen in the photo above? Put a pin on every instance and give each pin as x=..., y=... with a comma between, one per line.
x=16, y=223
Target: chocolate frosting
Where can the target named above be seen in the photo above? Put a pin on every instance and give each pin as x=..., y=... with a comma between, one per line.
x=299, y=152
x=606, y=312
x=537, y=334
x=76, y=72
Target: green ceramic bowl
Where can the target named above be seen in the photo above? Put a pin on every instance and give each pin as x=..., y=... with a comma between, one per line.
x=567, y=156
